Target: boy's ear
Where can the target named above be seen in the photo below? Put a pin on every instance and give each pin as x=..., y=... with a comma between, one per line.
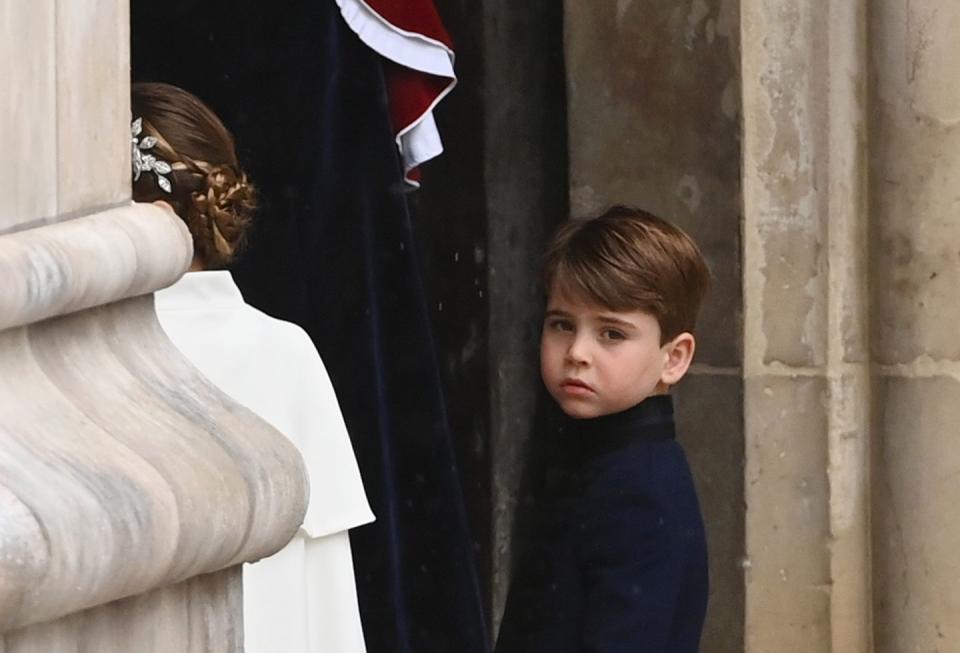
x=679, y=353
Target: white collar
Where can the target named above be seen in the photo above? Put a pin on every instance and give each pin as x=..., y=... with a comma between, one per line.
x=203, y=288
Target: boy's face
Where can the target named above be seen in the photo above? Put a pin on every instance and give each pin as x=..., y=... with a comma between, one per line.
x=595, y=361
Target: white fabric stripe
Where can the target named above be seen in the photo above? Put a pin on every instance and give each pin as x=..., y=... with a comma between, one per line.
x=420, y=140
x=409, y=49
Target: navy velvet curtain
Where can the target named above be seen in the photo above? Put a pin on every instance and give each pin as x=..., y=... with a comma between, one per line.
x=333, y=250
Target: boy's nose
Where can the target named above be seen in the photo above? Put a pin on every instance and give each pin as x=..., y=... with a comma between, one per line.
x=578, y=352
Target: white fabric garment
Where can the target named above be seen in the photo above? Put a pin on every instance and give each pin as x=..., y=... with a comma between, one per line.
x=302, y=599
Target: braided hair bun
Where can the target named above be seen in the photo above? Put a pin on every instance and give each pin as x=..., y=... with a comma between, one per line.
x=208, y=189
x=219, y=213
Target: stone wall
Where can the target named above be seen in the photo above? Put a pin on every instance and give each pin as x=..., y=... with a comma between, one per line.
x=807, y=377
x=914, y=214
x=851, y=114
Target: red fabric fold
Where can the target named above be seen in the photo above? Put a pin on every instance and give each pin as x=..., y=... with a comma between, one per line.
x=417, y=16
x=411, y=93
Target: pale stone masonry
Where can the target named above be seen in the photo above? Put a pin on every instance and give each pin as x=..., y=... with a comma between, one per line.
x=806, y=370
x=914, y=144
x=851, y=251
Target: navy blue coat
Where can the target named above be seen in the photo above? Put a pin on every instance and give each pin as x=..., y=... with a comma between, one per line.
x=619, y=562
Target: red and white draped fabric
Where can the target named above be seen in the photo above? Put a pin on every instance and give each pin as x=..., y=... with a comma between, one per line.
x=418, y=69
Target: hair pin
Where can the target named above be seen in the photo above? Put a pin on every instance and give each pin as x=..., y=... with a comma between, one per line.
x=143, y=162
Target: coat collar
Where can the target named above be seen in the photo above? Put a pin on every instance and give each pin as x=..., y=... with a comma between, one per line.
x=206, y=288
x=650, y=420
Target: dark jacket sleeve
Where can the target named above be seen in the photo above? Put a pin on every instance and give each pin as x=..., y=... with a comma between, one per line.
x=633, y=565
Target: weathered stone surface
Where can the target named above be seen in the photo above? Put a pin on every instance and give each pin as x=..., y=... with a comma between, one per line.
x=807, y=394
x=709, y=411
x=784, y=229
x=794, y=301
x=28, y=113
x=915, y=131
x=916, y=538
x=848, y=473
x=788, y=521
x=93, y=104
x=915, y=271
x=200, y=615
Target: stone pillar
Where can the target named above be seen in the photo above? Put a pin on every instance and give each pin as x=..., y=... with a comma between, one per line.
x=653, y=114
x=852, y=379
x=807, y=383
x=65, y=70
x=915, y=274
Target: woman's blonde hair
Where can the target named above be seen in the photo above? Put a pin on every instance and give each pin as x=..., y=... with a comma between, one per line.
x=209, y=190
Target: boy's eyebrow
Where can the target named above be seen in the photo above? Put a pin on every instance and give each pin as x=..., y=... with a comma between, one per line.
x=606, y=319
x=612, y=319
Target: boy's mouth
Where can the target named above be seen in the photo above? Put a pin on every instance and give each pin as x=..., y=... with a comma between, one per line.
x=575, y=387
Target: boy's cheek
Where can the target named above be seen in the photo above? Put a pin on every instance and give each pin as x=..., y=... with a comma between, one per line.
x=545, y=366
x=547, y=349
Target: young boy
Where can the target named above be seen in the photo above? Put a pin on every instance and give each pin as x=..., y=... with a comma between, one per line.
x=620, y=559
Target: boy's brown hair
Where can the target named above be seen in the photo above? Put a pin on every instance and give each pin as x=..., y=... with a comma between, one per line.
x=627, y=259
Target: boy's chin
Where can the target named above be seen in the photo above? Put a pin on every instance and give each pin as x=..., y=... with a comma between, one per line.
x=581, y=410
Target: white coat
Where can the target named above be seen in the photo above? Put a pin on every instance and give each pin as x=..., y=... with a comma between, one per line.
x=302, y=599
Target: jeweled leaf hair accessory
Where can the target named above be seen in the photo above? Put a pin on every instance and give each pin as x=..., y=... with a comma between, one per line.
x=143, y=162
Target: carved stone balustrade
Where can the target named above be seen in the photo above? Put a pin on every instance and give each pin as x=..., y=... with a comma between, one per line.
x=123, y=472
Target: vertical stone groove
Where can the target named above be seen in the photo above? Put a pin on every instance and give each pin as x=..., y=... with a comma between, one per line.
x=848, y=367
x=807, y=374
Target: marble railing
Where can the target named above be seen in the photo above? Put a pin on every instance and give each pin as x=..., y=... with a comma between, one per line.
x=126, y=478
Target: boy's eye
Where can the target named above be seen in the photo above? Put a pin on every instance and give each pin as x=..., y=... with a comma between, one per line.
x=560, y=325
x=613, y=334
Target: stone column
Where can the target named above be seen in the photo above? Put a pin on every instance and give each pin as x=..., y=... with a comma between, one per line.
x=807, y=373
x=852, y=472
x=915, y=274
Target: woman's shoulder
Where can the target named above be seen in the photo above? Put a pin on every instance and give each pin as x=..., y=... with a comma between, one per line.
x=281, y=343
x=275, y=331
x=233, y=343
